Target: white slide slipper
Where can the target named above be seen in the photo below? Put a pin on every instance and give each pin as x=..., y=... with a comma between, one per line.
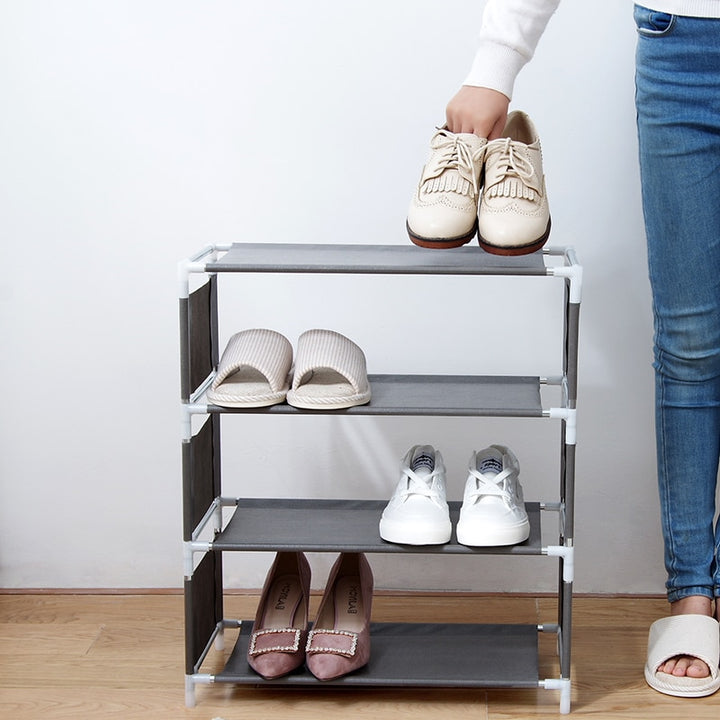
x=254, y=370
x=330, y=372
x=695, y=635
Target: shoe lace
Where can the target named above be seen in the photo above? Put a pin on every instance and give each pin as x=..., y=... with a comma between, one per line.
x=494, y=485
x=451, y=152
x=417, y=485
x=512, y=173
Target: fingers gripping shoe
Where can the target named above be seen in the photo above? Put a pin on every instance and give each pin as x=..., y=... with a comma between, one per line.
x=514, y=216
x=493, y=509
x=443, y=210
x=417, y=513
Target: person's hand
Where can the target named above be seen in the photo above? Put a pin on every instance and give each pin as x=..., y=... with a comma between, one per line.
x=477, y=110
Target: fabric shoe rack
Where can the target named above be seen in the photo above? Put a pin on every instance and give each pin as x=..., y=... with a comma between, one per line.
x=443, y=655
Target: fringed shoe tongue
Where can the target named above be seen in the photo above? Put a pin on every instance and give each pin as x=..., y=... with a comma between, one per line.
x=511, y=174
x=512, y=189
x=455, y=163
x=449, y=181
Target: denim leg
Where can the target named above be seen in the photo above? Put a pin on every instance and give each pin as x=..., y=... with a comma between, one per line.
x=678, y=105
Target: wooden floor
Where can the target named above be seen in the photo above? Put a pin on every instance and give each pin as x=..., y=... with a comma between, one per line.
x=121, y=657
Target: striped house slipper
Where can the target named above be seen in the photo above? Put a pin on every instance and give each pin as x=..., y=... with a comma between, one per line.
x=330, y=372
x=695, y=635
x=254, y=370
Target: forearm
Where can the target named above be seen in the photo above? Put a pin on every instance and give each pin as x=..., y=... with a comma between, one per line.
x=509, y=34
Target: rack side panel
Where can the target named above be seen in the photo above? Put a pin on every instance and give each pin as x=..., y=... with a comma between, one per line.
x=201, y=474
x=203, y=608
x=198, y=336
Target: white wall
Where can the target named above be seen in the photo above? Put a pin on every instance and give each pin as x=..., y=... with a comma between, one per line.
x=133, y=133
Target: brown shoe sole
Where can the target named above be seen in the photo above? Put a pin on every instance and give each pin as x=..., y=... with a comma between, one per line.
x=441, y=243
x=515, y=249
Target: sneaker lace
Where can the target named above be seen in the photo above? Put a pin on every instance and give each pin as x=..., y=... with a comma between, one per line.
x=417, y=485
x=494, y=485
x=451, y=152
x=513, y=173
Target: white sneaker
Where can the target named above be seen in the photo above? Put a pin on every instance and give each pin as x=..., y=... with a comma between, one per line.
x=418, y=513
x=493, y=510
x=514, y=216
x=443, y=210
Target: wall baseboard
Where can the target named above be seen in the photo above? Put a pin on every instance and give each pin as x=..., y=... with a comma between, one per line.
x=256, y=591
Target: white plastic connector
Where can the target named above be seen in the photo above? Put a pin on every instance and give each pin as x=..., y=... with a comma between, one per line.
x=187, y=560
x=185, y=424
x=183, y=280
x=203, y=679
x=195, y=264
x=567, y=553
x=189, y=550
x=197, y=408
x=575, y=274
x=190, y=682
x=189, y=692
x=569, y=415
x=563, y=685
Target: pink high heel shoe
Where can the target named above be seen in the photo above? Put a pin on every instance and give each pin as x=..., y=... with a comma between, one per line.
x=277, y=643
x=339, y=641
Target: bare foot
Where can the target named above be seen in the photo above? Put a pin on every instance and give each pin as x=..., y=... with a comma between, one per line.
x=686, y=665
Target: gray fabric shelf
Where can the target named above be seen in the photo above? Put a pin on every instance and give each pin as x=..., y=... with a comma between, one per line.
x=448, y=395
x=421, y=655
x=372, y=259
x=340, y=526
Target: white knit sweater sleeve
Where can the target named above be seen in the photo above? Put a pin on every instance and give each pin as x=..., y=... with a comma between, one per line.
x=509, y=34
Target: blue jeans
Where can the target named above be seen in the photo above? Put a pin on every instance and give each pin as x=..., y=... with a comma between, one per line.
x=678, y=116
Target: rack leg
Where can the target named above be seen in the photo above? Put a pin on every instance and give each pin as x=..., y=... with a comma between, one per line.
x=565, y=699
x=189, y=691
x=563, y=685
